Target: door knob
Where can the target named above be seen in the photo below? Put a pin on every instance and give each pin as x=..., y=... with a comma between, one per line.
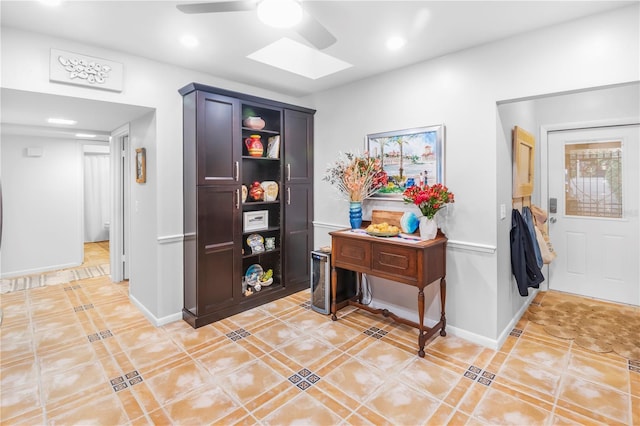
x=552, y=219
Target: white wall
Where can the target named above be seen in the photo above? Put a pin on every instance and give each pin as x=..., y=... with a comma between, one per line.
x=42, y=203
x=25, y=66
x=461, y=90
x=590, y=106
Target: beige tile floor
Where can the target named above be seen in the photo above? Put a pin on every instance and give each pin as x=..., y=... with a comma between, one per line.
x=83, y=354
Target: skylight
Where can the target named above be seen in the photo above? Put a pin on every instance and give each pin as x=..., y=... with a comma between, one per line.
x=289, y=55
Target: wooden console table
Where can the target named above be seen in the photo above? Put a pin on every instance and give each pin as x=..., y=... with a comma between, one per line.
x=407, y=261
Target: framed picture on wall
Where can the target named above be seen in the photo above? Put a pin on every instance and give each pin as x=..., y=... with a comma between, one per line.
x=141, y=165
x=410, y=157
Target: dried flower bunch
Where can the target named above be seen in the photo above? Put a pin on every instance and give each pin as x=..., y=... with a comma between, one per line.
x=356, y=177
x=429, y=199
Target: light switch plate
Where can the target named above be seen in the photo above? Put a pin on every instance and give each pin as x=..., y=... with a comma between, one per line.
x=503, y=211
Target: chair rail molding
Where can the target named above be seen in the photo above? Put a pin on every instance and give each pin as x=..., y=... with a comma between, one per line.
x=451, y=244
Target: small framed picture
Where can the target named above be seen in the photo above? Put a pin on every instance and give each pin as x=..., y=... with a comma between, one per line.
x=141, y=165
x=256, y=221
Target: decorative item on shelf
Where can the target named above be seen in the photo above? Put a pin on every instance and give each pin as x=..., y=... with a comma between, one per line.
x=273, y=147
x=429, y=199
x=270, y=243
x=266, y=279
x=253, y=274
x=256, y=243
x=356, y=178
x=270, y=190
x=245, y=192
x=254, y=145
x=255, y=123
x=409, y=222
x=256, y=221
x=256, y=192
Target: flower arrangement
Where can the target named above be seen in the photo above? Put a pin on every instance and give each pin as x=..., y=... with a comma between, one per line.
x=429, y=199
x=356, y=177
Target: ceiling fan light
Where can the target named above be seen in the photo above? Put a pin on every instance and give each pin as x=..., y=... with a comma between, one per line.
x=280, y=13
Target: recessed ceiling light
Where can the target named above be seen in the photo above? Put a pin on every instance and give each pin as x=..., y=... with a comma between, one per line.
x=61, y=121
x=51, y=2
x=298, y=58
x=395, y=42
x=85, y=135
x=189, y=41
x=280, y=13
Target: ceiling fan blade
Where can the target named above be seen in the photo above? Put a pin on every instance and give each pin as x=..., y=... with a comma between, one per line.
x=216, y=7
x=314, y=32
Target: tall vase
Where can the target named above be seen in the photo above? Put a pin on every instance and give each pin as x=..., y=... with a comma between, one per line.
x=355, y=214
x=428, y=228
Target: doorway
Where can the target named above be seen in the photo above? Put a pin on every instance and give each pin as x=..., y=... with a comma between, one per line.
x=120, y=204
x=46, y=227
x=593, y=200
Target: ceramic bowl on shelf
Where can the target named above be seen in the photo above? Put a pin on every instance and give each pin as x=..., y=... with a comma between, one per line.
x=255, y=123
x=266, y=283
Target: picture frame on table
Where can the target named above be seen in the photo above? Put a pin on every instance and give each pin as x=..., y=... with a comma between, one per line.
x=410, y=157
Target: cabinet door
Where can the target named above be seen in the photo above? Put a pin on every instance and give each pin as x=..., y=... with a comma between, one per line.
x=298, y=235
x=219, y=249
x=298, y=147
x=218, y=139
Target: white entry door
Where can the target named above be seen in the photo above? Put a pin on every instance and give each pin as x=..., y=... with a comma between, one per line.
x=595, y=185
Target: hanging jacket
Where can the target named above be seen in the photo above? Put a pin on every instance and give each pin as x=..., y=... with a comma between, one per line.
x=524, y=265
x=528, y=219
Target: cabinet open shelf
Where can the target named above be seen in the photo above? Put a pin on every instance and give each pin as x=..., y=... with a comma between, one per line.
x=248, y=157
x=254, y=131
x=265, y=290
x=264, y=253
x=257, y=231
x=259, y=203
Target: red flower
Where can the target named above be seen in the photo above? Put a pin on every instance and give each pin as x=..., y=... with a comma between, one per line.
x=429, y=199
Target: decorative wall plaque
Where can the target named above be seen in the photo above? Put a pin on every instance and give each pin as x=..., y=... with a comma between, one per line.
x=82, y=70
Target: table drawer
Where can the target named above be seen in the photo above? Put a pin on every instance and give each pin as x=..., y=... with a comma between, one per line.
x=352, y=254
x=394, y=260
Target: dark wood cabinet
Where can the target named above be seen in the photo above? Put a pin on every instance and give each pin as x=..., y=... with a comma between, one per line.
x=298, y=151
x=217, y=127
x=217, y=164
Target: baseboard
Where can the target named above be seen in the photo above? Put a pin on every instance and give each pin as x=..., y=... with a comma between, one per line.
x=505, y=332
x=35, y=271
x=157, y=322
x=451, y=330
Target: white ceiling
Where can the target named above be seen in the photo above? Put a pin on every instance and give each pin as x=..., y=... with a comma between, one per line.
x=152, y=29
x=433, y=28
x=27, y=113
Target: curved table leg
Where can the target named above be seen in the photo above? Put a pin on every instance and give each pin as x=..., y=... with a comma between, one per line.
x=334, y=290
x=443, y=298
x=421, y=337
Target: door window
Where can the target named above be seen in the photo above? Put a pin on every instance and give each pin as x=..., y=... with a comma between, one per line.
x=593, y=183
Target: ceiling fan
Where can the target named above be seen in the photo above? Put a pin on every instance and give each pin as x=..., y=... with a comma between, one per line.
x=307, y=26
